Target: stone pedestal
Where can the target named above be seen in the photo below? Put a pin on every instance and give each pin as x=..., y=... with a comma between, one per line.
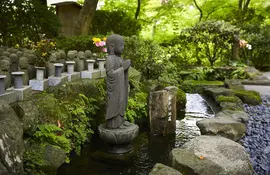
x=90, y=65
x=39, y=85
x=70, y=67
x=18, y=79
x=70, y=71
x=54, y=81
x=9, y=97
x=90, y=75
x=2, y=84
x=73, y=76
x=119, y=139
x=20, y=93
x=162, y=111
x=40, y=73
x=101, y=63
x=58, y=69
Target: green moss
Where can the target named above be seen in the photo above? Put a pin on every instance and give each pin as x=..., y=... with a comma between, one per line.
x=181, y=99
x=194, y=86
x=232, y=99
x=249, y=97
x=203, y=82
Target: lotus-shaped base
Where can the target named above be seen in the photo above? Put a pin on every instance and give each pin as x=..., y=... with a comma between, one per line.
x=119, y=139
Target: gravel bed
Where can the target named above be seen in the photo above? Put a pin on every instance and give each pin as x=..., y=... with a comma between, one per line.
x=257, y=138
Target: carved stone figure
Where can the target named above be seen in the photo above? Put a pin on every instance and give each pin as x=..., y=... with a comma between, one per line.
x=117, y=82
x=5, y=68
x=23, y=67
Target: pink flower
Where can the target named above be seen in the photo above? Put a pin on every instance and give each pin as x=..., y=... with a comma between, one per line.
x=102, y=43
x=104, y=49
x=97, y=44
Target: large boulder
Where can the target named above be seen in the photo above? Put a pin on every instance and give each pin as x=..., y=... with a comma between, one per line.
x=239, y=116
x=28, y=113
x=211, y=155
x=223, y=126
x=160, y=169
x=214, y=92
x=11, y=141
x=54, y=158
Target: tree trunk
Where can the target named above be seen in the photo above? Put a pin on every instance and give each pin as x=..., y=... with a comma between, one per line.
x=85, y=17
x=235, y=48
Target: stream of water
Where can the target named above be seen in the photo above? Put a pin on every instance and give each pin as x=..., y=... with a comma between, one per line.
x=148, y=150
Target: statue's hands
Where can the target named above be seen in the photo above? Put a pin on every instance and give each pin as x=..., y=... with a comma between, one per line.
x=126, y=64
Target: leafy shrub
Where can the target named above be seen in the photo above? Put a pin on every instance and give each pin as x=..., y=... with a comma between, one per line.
x=137, y=107
x=114, y=22
x=260, y=42
x=146, y=56
x=64, y=122
x=210, y=40
x=76, y=43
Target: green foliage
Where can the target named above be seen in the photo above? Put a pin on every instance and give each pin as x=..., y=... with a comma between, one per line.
x=33, y=158
x=117, y=21
x=137, y=107
x=43, y=51
x=76, y=43
x=239, y=73
x=64, y=122
x=217, y=73
x=77, y=127
x=26, y=19
x=146, y=56
x=54, y=135
x=211, y=40
x=170, y=75
x=260, y=42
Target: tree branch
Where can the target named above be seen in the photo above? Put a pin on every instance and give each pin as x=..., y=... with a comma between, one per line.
x=138, y=9
x=200, y=10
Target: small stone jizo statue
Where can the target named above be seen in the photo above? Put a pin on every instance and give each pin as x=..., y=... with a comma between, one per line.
x=117, y=82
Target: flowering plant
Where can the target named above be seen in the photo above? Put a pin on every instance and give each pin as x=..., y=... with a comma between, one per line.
x=101, y=45
x=43, y=51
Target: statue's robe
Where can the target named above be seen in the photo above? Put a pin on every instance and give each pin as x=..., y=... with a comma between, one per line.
x=117, y=91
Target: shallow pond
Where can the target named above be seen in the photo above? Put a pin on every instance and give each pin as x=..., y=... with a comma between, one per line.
x=148, y=150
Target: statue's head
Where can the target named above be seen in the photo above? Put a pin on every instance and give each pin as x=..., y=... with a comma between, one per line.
x=115, y=44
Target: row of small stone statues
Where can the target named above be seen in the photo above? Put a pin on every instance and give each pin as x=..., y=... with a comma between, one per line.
x=22, y=60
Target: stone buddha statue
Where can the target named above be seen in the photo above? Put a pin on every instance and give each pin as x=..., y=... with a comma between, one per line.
x=117, y=82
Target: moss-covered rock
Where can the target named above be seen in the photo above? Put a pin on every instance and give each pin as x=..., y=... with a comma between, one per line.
x=194, y=86
x=181, y=99
x=234, y=84
x=249, y=97
x=42, y=158
x=214, y=92
x=160, y=169
x=232, y=99
x=231, y=106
